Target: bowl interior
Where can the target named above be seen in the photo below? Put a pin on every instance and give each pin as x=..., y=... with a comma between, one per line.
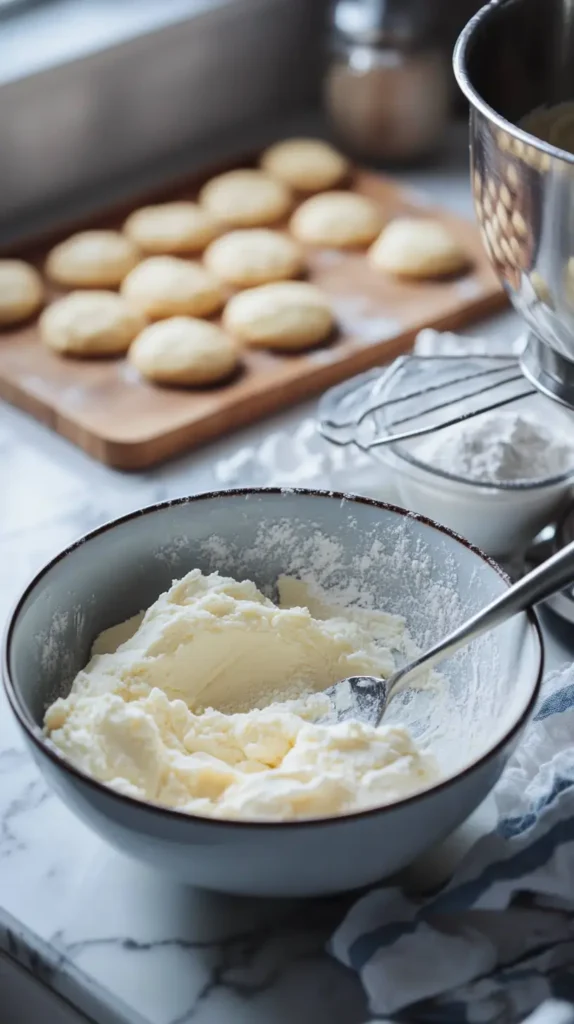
x=520, y=55
x=362, y=552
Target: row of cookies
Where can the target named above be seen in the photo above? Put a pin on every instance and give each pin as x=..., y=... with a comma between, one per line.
x=169, y=315
x=411, y=247
x=241, y=198
x=100, y=323
x=290, y=315
x=101, y=259
x=241, y=258
x=181, y=350
x=246, y=198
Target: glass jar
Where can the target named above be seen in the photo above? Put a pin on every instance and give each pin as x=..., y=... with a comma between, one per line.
x=387, y=87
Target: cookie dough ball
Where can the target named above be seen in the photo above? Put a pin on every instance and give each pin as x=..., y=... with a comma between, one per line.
x=246, y=198
x=417, y=248
x=21, y=291
x=254, y=256
x=337, y=220
x=171, y=228
x=89, y=324
x=92, y=259
x=184, y=351
x=308, y=165
x=288, y=315
x=164, y=286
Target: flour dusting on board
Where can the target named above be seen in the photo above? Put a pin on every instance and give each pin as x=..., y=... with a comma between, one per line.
x=358, y=318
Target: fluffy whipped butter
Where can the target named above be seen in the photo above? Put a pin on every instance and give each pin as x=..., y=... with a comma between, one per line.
x=209, y=703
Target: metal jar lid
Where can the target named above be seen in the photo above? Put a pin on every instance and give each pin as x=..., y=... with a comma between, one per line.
x=388, y=23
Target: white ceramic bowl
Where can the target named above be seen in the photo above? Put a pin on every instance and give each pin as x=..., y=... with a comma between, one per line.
x=500, y=521
x=379, y=554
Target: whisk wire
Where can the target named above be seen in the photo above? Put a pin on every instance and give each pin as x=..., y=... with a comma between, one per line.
x=433, y=428
x=454, y=401
x=430, y=388
x=377, y=400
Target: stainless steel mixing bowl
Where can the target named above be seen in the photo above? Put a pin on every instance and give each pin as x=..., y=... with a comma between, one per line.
x=514, y=56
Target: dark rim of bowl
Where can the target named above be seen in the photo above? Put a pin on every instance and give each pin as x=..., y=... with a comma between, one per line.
x=460, y=65
x=37, y=737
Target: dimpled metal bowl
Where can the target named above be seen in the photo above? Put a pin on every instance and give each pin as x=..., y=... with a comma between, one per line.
x=514, y=56
x=376, y=553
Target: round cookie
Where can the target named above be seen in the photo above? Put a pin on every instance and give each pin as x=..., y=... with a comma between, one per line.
x=171, y=228
x=337, y=220
x=21, y=291
x=288, y=315
x=307, y=165
x=92, y=259
x=184, y=351
x=254, y=256
x=417, y=248
x=246, y=198
x=164, y=286
x=89, y=324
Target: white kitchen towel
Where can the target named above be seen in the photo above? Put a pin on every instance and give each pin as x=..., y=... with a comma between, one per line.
x=498, y=939
x=444, y=343
x=552, y=1011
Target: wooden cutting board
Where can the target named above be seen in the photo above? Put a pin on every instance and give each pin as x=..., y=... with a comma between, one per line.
x=105, y=408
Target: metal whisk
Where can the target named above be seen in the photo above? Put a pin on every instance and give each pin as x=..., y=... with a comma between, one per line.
x=361, y=411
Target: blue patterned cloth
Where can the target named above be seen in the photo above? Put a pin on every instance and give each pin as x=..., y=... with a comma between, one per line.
x=497, y=941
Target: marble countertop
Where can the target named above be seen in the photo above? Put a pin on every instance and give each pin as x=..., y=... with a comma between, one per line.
x=120, y=943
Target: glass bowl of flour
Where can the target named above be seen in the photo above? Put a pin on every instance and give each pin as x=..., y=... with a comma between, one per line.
x=496, y=478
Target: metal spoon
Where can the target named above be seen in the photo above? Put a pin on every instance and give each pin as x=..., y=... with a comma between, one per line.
x=366, y=697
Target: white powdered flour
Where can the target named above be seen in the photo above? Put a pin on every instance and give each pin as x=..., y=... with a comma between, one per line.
x=501, y=447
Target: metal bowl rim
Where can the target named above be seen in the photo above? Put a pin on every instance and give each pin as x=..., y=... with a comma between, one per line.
x=465, y=39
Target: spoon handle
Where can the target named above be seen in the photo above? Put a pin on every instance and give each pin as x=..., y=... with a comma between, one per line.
x=552, y=576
